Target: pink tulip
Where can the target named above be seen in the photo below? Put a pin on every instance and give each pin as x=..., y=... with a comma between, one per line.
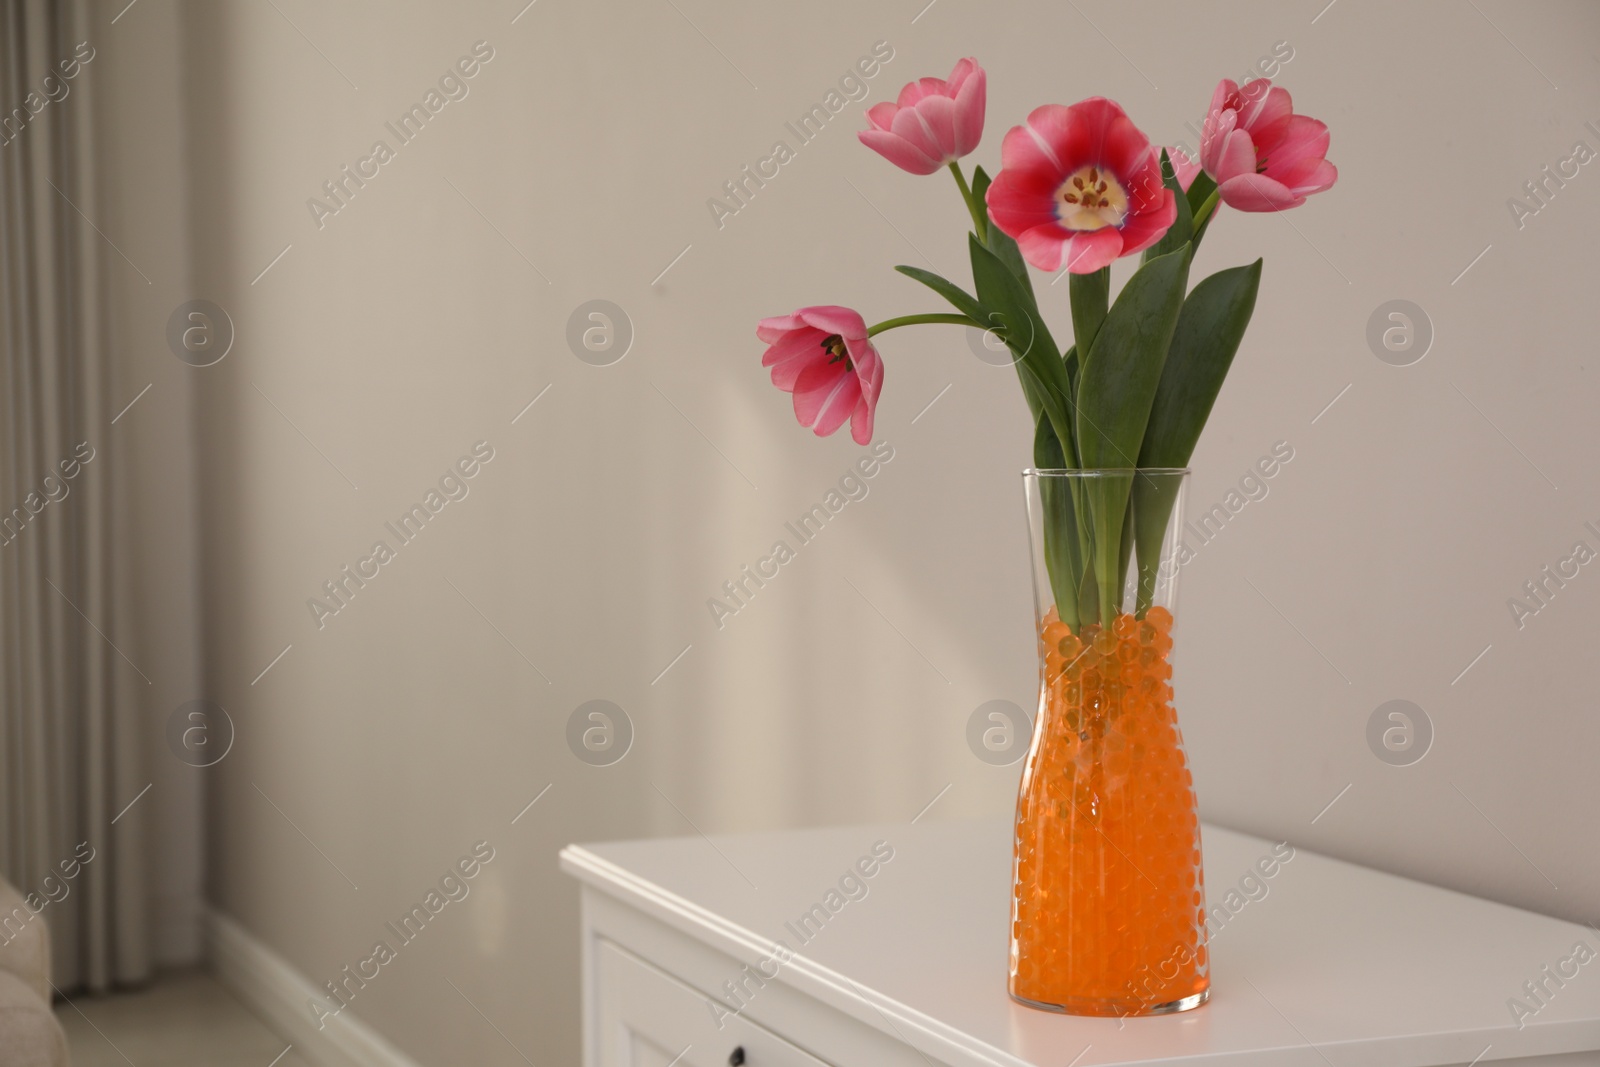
x=1183, y=167
x=934, y=123
x=1080, y=186
x=822, y=356
x=1262, y=155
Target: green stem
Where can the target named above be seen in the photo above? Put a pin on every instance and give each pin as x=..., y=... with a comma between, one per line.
x=1091, y=296
x=980, y=216
x=1205, y=211
x=918, y=320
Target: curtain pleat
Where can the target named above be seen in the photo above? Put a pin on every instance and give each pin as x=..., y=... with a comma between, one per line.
x=70, y=744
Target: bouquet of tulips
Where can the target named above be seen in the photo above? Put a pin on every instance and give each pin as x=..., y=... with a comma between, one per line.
x=1078, y=187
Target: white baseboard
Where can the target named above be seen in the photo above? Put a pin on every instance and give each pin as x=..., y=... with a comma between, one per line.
x=274, y=990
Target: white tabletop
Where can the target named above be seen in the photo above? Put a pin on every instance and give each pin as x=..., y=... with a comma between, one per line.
x=1334, y=965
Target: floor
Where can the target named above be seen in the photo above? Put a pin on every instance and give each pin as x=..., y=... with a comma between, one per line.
x=185, y=1019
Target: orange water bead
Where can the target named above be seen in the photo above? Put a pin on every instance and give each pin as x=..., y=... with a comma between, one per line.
x=1107, y=915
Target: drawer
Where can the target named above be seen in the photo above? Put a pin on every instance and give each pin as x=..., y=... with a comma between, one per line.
x=647, y=1018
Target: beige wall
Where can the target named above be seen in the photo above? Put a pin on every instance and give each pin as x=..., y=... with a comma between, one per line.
x=414, y=323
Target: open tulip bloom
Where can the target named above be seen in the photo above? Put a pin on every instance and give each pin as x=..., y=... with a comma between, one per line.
x=1078, y=187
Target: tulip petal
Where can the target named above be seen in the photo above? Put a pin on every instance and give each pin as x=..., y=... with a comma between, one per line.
x=1021, y=200
x=793, y=356
x=869, y=372
x=1146, y=228
x=1088, y=252
x=1265, y=112
x=1032, y=146
x=912, y=125
x=831, y=318
x=861, y=422
x=1143, y=182
x=882, y=115
x=1310, y=176
x=824, y=397
x=1301, y=137
x=1234, y=156
x=773, y=330
x=1219, y=96
x=899, y=151
x=971, y=100
x=868, y=365
x=964, y=69
x=785, y=345
x=1257, y=192
x=916, y=92
x=1218, y=125
x=1093, y=130
x=1043, y=246
x=938, y=114
x=1124, y=147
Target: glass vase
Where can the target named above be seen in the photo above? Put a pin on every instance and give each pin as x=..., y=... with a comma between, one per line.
x=1108, y=903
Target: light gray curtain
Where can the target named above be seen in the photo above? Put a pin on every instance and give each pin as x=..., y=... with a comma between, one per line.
x=69, y=703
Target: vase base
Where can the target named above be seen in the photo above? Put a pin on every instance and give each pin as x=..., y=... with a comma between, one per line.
x=1116, y=1008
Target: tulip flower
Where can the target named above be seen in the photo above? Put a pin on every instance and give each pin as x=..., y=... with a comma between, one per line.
x=934, y=122
x=1262, y=155
x=822, y=355
x=1080, y=186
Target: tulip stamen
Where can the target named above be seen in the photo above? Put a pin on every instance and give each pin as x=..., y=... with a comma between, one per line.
x=1090, y=200
x=833, y=344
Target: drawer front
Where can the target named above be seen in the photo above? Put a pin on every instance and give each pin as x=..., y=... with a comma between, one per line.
x=647, y=1018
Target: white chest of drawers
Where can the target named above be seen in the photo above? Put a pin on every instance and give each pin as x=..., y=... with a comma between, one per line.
x=886, y=946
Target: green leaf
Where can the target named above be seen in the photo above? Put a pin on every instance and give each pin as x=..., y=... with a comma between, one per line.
x=1071, y=361
x=1182, y=229
x=1000, y=291
x=1004, y=248
x=1117, y=382
x=981, y=187
x=1047, y=451
x=1200, y=191
x=1209, y=330
x=952, y=292
x=1033, y=392
x=1012, y=308
x=1090, y=295
x=1154, y=497
x=1053, y=407
x=1116, y=389
x=1062, y=560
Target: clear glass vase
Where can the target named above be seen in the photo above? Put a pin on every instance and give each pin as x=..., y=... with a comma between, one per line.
x=1108, y=904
